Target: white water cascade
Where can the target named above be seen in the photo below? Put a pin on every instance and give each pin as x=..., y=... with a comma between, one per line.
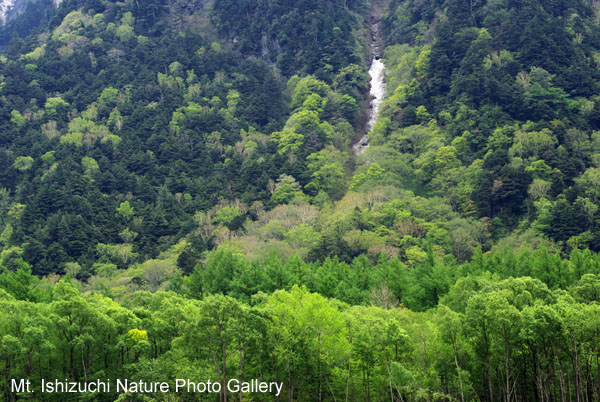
x=376, y=72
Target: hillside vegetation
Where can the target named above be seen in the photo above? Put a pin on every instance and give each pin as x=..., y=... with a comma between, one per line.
x=179, y=199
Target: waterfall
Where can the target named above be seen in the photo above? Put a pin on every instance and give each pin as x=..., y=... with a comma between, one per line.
x=376, y=92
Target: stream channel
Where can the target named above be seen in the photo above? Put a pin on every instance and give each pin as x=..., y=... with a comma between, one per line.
x=377, y=83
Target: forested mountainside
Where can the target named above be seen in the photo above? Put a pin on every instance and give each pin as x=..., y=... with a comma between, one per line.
x=508, y=93
x=179, y=198
x=118, y=129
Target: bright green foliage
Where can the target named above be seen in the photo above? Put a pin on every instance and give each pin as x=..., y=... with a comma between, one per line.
x=90, y=165
x=136, y=336
x=105, y=270
x=17, y=118
x=70, y=24
x=590, y=183
x=445, y=159
x=75, y=138
x=108, y=97
x=115, y=120
x=36, y=54
x=307, y=87
x=486, y=321
x=327, y=167
x=72, y=269
x=375, y=172
x=286, y=189
x=126, y=210
x=55, y=107
x=125, y=33
x=195, y=198
x=23, y=163
x=230, y=216
x=302, y=127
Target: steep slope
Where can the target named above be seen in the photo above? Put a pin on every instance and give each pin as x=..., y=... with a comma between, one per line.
x=495, y=109
x=160, y=111
x=312, y=37
x=179, y=199
x=125, y=119
x=20, y=17
x=377, y=82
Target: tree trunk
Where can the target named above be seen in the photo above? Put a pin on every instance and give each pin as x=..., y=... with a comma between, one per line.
x=217, y=369
x=561, y=377
x=598, y=378
x=576, y=372
x=289, y=381
x=8, y=390
x=350, y=374
x=319, y=365
x=242, y=350
x=71, y=362
x=224, y=351
x=506, y=367
x=489, y=368
x=462, y=395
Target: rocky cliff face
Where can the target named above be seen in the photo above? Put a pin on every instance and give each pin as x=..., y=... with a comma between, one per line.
x=9, y=9
x=6, y=8
x=20, y=17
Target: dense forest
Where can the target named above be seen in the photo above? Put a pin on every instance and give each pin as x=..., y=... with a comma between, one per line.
x=179, y=198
